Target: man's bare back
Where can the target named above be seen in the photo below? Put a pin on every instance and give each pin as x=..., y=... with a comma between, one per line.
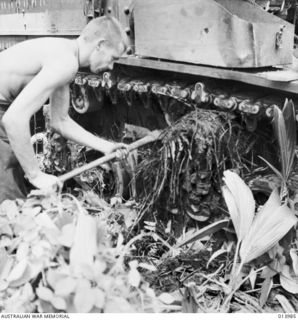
x=37, y=70
x=22, y=62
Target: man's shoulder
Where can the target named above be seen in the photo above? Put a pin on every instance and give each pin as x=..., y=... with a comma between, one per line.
x=61, y=57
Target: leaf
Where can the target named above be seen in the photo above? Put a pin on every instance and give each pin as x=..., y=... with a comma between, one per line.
x=84, y=297
x=212, y=228
x=269, y=226
x=288, y=280
x=99, y=267
x=44, y=221
x=215, y=255
x=67, y=235
x=54, y=276
x=284, y=302
x=240, y=202
x=22, y=251
x=276, y=171
x=129, y=215
x=252, y=278
x=9, y=209
x=147, y=266
x=134, y=277
x=65, y=286
x=99, y=298
x=5, y=242
x=197, y=217
x=59, y=303
x=26, y=277
x=3, y=285
x=6, y=264
x=18, y=271
x=265, y=290
x=118, y=305
x=294, y=257
x=284, y=124
x=44, y=293
x=166, y=298
x=85, y=242
x=35, y=266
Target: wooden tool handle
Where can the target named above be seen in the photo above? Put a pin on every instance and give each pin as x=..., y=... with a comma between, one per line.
x=153, y=136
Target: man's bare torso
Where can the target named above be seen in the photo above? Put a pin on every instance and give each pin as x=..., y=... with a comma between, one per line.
x=20, y=63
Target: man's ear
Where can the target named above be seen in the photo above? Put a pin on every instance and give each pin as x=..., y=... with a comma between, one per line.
x=100, y=43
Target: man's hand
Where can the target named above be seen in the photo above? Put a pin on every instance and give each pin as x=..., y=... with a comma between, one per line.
x=121, y=150
x=44, y=181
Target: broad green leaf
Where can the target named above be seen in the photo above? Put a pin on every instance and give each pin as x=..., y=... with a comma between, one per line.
x=5, y=242
x=294, y=257
x=44, y=221
x=9, y=209
x=18, y=271
x=284, y=124
x=84, y=297
x=6, y=264
x=26, y=277
x=85, y=242
x=288, y=280
x=240, y=202
x=59, y=303
x=284, y=302
x=99, y=298
x=44, y=293
x=65, y=286
x=200, y=234
x=54, y=276
x=134, y=277
x=99, y=267
x=252, y=278
x=38, y=250
x=265, y=291
x=269, y=226
x=22, y=251
x=67, y=235
x=3, y=285
x=5, y=228
x=232, y=207
x=84, y=270
x=166, y=298
x=118, y=305
x=35, y=267
x=147, y=266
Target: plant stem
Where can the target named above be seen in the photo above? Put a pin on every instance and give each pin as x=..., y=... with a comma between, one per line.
x=233, y=272
x=229, y=297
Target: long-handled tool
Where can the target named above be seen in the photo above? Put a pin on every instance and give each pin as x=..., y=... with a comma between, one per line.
x=153, y=136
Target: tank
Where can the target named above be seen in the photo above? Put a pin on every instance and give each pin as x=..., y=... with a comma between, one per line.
x=177, y=64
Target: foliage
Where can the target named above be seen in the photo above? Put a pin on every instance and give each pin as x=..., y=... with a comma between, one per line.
x=57, y=256
x=258, y=233
x=284, y=124
x=180, y=177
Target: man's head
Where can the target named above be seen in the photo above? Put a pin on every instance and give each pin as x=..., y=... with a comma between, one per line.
x=108, y=40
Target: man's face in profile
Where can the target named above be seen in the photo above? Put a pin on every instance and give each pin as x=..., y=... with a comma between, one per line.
x=104, y=56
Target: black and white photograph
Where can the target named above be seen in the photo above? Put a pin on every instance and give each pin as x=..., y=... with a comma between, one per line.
x=148, y=158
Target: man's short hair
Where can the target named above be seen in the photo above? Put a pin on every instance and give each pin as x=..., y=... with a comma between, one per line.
x=108, y=28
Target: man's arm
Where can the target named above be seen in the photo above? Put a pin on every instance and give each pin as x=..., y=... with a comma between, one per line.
x=68, y=128
x=17, y=118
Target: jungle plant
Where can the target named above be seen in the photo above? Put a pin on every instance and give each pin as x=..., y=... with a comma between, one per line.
x=257, y=233
x=284, y=125
x=57, y=255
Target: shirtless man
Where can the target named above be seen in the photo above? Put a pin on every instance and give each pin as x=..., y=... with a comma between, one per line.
x=35, y=70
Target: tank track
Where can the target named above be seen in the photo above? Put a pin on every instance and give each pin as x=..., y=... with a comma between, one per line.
x=201, y=94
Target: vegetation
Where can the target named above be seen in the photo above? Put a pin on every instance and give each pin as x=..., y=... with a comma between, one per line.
x=194, y=238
